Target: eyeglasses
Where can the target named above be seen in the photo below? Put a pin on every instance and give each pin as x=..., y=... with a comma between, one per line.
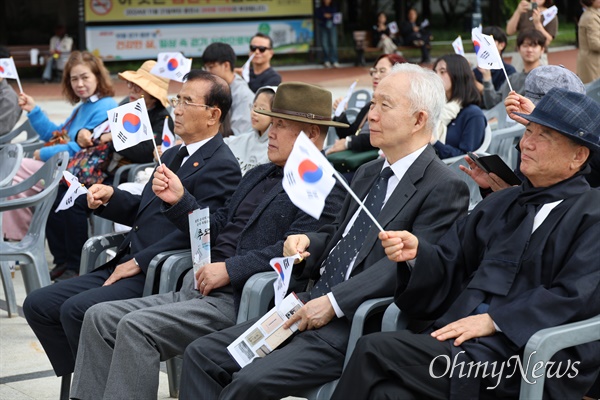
x=262, y=49
x=374, y=71
x=176, y=102
x=135, y=87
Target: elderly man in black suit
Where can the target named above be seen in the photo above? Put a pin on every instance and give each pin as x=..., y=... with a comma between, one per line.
x=525, y=259
x=411, y=188
x=123, y=342
x=207, y=169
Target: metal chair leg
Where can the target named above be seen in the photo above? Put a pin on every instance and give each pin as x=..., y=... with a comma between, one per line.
x=65, y=387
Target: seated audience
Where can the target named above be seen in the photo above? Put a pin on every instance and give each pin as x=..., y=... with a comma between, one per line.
x=207, y=169
x=462, y=124
x=495, y=75
x=530, y=45
x=417, y=35
x=261, y=72
x=416, y=190
x=381, y=35
x=219, y=59
x=525, y=259
x=122, y=342
x=356, y=136
x=10, y=112
x=60, y=48
x=67, y=230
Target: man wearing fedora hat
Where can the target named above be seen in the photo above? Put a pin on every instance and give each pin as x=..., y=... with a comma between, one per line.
x=205, y=166
x=525, y=259
x=122, y=342
x=410, y=189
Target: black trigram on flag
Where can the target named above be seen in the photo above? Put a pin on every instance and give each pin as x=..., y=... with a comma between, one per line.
x=121, y=136
x=116, y=117
x=290, y=177
x=138, y=107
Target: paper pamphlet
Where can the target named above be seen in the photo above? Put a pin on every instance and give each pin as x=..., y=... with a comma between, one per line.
x=266, y=334
x=200, y=238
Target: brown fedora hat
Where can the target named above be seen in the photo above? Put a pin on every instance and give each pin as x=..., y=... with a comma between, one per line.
x=155, y=86
x=302, y=102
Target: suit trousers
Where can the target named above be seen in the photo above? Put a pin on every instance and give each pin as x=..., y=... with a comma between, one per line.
x=306, y=360
x=123, y=342
x=396, y=365
x=55, y=313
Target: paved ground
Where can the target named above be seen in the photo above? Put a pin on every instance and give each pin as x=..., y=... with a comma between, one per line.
x=25, y=372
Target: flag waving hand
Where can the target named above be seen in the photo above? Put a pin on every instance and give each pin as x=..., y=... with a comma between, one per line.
x=308, y=177
x=130, y=124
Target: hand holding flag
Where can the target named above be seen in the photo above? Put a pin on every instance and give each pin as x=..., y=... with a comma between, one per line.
x=8, y=70
x=75, y=190
x=100, y=129
x=342, y=104
x=172, y=66
x=246, y=68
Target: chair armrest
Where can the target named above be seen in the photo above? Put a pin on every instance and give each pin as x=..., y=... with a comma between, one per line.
x=173, y=268
x=154, y=269
x=545, y=343
x=95, y=246
x=256, y=296
x=393, y=319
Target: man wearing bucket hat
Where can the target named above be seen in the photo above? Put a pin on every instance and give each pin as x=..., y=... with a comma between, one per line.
x=417, y=192
x=122, y=342
x=525, y=259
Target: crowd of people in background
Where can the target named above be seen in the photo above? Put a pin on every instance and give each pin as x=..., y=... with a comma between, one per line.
x=476, y=283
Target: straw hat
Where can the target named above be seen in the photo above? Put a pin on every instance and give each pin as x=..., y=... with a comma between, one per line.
x=302, y=102
x=152, y=84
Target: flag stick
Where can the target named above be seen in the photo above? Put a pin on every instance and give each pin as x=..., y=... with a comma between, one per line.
x=157, y=155
x=507, y=80
x=19, y=83
x=502, y=64
x=360, y=203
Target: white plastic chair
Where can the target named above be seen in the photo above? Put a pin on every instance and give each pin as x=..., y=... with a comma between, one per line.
x=10, y=161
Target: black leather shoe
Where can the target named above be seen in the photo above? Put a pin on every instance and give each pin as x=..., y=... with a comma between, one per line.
x=68, y=274
x=58, y=271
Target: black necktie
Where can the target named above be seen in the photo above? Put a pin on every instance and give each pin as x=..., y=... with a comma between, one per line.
x=176, y=163
x=338, y=261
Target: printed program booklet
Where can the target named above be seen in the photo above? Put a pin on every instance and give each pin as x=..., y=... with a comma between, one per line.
x=267, y=333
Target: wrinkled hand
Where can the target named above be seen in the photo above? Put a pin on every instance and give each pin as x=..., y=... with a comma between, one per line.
x=339, y=145
x=515, y=103
x=399, y=245
x=296, y=244
x=313, y=315
x=473, y=326
x=496, y=183
x=212, y=276
x=477, y=174
x=84, y=138
x=166, y=185
x=26, y=102
x=98, y=195
x=125, y=270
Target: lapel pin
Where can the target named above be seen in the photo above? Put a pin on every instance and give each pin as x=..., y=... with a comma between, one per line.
x=196, y=164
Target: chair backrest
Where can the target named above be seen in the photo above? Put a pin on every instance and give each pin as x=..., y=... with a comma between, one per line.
x=359, y=98
x=351, y=114
x=592, y=89
x=10, y=161
x=30, y=148
x=48, y=176
x=487, y=139
x=32, y=135
x=474, y=193
x=503, y=143
x=497, y=117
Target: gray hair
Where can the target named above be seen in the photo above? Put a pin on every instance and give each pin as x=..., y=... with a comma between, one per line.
x=426, y=92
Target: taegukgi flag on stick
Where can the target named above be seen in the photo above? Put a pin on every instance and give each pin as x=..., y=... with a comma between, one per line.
x=8, y=69
x=549, y=14
x=130, y=124
x=283, y=266
x=488, y=56
x=168, y=138
x=308, y=177
x=75, y=190
x=458, y=46
x=172, y=66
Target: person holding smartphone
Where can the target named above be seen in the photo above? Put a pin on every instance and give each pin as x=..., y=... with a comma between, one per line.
x=528, y=15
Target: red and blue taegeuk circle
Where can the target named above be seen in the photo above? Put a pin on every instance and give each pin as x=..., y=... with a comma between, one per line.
x=309, y=171
x=1, y=69
x=172, y=64
x=131, y=123
x=166, y=141
x=279, y=270
x=476, y=45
